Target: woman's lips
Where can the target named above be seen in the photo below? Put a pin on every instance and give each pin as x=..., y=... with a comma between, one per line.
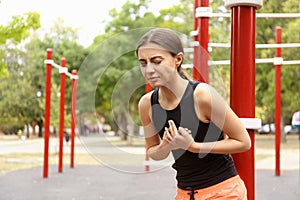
x=153, y=79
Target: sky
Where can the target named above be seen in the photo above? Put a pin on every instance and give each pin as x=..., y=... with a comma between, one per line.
x=86, y=15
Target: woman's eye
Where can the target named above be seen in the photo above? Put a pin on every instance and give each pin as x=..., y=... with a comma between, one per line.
x=143, y=64
x=157, y=62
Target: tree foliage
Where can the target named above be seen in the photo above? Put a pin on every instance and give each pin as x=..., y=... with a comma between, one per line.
x=132, y=16
x=15, y=31
x=20, y=103
x=265, y=73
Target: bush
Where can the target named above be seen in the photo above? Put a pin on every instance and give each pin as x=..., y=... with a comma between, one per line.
x=11, y=129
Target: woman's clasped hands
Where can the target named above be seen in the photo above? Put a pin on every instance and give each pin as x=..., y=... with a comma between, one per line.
x=180, y=138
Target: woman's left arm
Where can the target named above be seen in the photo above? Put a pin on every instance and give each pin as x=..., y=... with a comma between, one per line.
x=210, y=106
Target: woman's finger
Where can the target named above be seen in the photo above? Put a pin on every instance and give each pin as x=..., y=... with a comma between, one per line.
x=172, y=127
x=167, y=135
x=182, y=130
x=188, y=130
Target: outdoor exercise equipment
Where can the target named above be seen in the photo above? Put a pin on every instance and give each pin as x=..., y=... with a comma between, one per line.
x=277, y=102
x=278, y=61
x=242, y=80
x=200, y=44
x=63, y=73
x=147, y=165
x=242, y=87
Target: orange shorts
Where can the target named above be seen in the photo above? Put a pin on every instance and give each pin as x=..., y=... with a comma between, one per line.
x=230, y=189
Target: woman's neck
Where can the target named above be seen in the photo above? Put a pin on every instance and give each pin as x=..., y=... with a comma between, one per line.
x=170, y=95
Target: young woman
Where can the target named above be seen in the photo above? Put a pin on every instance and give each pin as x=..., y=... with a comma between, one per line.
x=188, y=119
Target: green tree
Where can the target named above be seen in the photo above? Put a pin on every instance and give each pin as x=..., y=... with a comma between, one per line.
x=13, y=84
x=132, y=16
x=17, y=106
x=16, y=31
x=26, y=77
x=265, y=73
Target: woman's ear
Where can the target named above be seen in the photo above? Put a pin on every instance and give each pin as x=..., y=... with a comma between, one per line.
x=179, y=59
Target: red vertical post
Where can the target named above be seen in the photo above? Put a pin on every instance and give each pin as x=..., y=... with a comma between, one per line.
x=147, y=167
x=196, y=53
x=47, y=111
x=62, y=70
x=242, y=80
x=277, y=103
x=73, y=116
x=201, y=55
x=203, y=40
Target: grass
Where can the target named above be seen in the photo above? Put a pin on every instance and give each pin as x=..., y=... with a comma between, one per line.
x=268, y=142
x=11, y=162
x=259, y=157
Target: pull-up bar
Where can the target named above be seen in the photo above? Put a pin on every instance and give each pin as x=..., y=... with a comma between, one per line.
x=257, y=46
x=63, y=73
x=207, y=12
x=275, y=61
x=61, y=68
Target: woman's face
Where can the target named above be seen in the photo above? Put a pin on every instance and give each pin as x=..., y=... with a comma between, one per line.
x=157, y=65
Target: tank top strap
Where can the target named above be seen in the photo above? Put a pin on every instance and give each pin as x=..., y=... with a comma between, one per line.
x=194, y=84
x=154, y=97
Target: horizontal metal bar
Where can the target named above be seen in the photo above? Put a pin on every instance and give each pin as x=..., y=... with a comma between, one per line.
x=259, y=46
x=251, y=123
x=291, y=62
x=286, y=45
x=200, y=13
x=61, y=69
x=257, y=61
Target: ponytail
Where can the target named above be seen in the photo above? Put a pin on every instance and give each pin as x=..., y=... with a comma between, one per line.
x=182, y=73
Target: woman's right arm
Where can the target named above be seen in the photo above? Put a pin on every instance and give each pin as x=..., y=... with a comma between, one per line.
x=157, y=149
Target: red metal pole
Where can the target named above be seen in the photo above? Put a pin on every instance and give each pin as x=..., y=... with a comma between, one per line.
x=242, y=87
x=147, y=167
x=196, y=60
x=201, y=55
x=62, y=72
x=277, y=104
x=47, y=112
x=203, y=40
x=73, y=116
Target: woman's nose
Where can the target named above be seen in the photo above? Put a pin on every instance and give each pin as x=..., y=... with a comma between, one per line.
x=149, y=68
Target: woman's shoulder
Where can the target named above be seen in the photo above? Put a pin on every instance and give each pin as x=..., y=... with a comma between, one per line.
x=145, y=100
x=203, y=93
x=202, y=88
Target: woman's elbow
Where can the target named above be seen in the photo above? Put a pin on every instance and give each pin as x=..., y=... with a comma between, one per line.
x=246, y=145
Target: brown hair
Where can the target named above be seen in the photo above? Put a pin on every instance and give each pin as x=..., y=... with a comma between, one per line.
x=168, y=40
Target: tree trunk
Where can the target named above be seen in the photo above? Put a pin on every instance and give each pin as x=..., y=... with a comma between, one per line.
x=33, y=124
x=27, y=131
x=40, y=124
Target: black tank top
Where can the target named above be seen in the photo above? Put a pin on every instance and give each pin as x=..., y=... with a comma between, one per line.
x=194, y=170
